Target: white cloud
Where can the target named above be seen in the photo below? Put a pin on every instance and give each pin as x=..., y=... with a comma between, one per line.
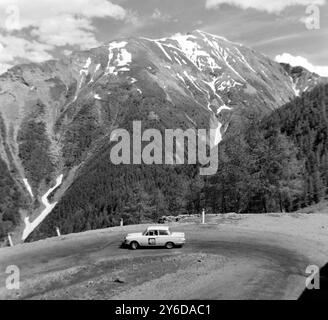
x=42, y=25
x=295, y=61
x=133, y=18
x=11, y=47
x=32, y=13
x=66, y=30
x=272, y=6
x=158, y=15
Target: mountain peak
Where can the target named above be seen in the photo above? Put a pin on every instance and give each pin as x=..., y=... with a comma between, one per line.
x=207, y=34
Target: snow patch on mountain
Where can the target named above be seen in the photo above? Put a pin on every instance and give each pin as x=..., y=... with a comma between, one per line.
x=163, y=50
x=31, y=226
x=228, y=84
x=218, y=137
x=119, y=58
x=191, y=120
x=192, y=80
x=294, y=86
x=225, y=107
x=226, y=57
x=28, y=187
x=217, y=133
x=85, y=69
x=194, y=52
x=207, y=34
x=95, y=72
x=243, y=59
x=159, y=44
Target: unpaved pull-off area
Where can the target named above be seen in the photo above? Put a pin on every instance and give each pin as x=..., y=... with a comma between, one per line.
x=231, y=257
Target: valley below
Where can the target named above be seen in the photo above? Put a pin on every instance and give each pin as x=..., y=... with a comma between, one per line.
x=232, y=256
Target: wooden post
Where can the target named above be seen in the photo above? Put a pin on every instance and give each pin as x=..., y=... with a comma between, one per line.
x=203, y=216
x=10, y=240
x=58, y=232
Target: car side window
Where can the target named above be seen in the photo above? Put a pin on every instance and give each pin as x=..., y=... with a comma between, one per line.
x=152, y=233
x=163, y=233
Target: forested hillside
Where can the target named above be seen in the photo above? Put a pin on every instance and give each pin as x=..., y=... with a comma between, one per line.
x=305, y=122
x=10, y=200
x=105, y=193
x=278, y=164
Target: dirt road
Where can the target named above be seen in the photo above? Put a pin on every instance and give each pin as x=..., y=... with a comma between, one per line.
x=225, y=260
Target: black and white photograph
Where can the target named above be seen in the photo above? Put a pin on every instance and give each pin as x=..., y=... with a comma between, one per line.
x=162, y=155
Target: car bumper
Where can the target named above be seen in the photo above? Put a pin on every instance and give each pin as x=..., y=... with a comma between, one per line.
x=180, y=243
x=126, y=243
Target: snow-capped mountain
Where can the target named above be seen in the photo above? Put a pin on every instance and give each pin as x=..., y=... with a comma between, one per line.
x=56, y=116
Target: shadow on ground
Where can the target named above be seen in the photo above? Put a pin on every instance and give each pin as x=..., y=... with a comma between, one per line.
x=320, y=294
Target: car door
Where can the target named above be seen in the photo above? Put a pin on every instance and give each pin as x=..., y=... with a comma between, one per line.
x=143, y=241
x=163, y=237
x=152, y=238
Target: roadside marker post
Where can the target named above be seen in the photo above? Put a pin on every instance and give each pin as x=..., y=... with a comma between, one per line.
x=10, y=240
x=203, y=216
x=58, y=232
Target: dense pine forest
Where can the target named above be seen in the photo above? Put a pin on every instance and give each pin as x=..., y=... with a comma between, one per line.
x=277, y=164
x=10, y=200
x=305, y=123
x=105, y=193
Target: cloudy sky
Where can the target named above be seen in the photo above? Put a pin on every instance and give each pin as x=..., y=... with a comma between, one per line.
x=44, y=29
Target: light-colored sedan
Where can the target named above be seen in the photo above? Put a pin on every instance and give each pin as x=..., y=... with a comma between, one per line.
x=155, y=236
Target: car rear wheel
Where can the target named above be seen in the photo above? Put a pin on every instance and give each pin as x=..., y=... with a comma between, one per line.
x=169, y=245
x=134, y=245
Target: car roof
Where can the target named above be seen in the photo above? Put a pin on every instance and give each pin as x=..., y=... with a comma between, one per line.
x=157, y=228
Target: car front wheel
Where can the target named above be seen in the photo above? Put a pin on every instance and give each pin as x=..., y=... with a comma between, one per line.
x=134, y=245
x=169, y=245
